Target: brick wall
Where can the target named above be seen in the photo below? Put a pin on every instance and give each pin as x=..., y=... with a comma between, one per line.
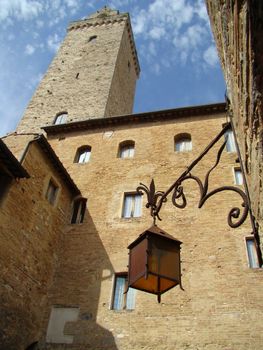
x=222, y=296
x=30, y=232
x=237, y=28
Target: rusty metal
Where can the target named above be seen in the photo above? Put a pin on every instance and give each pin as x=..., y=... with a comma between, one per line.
x=254, y=224
x=154, y=262
x=236, y=216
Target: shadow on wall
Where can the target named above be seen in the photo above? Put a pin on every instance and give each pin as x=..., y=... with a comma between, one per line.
x=83, y=265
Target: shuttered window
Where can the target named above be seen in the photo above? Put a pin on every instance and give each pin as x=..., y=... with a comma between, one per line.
x=122, y=300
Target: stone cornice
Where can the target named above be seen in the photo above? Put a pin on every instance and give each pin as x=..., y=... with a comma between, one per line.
x=139, y=118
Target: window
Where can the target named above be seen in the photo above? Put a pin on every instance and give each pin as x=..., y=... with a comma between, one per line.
x=5, y=181
x=230, y=141
x=83, y=154
x=183, y=143
x=126, y=149
x=122, y=300
x=132, y=205
x=238, y=176
x=92, y=38
x=58, y=318
x=52, y=191
x=61, y=118
x=252, y=252
x=79, y=208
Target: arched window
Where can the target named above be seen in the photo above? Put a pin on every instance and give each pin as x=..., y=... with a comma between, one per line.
x=61, y=118
x=126, y=149
x=83, y=154
x=79, y=208
x=183, y=143
x=230, y=141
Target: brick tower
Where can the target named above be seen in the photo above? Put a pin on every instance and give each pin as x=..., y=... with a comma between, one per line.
x=93, y=74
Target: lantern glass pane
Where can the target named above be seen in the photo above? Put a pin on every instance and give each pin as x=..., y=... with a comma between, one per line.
x=138, y=260
x=164, y=258
x=151, y=284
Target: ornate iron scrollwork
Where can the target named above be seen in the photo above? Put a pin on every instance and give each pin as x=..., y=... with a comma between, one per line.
x=236, y=216
x=152, y=197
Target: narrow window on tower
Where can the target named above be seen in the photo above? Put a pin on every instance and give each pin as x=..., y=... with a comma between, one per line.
x=61, y=118
x=230, y=141
x=122, y=300
x=92, y=38
x=126, y=149
x=79, y=208
x=83, y=154
x=132, y=205
x=182, y=143
x=238, y=176
x=252, y=252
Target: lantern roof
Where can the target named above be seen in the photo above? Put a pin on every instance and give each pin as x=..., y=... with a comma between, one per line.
x=154, y=230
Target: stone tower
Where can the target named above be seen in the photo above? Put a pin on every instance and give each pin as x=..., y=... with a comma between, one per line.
x=93, y=74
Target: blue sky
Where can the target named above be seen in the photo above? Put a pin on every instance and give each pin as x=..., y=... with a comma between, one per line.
x=179, y=63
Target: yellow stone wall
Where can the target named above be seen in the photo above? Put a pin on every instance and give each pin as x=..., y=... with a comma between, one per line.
x=30, y=233
x=221, y=302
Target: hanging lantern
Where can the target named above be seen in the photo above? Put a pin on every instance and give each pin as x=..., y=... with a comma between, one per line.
x=154, y=262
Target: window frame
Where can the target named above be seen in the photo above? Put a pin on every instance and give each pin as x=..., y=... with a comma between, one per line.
x=231, y=146
x=133, y=209
x=183, y=138
x=126, y=145
x=80, y=151
x=252, y=261
x=52, y=197
x=78, y=210
x=127, y=297
x=60, y=118
x=236, y=173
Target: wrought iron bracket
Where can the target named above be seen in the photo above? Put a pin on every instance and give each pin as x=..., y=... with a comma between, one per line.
x=155, y=199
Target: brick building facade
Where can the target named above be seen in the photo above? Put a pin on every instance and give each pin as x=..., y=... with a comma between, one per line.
x=73, y=255
x=237, y=28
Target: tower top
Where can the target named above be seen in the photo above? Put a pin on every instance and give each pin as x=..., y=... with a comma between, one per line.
x=107, y=16
x=104, y=16
x=104, y=12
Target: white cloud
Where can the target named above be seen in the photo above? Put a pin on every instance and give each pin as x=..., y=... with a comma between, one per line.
x=191, y=38
x=29, y=50
x=11, y=37
x=156, y=68
x=181, y=26
x=117, y=4
x=53, y=42
x=22, y=9
x=210, y=56
x=39, y=23
x=157, y=32
x=72, y=3
x=201, y=11
x=140, y=22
